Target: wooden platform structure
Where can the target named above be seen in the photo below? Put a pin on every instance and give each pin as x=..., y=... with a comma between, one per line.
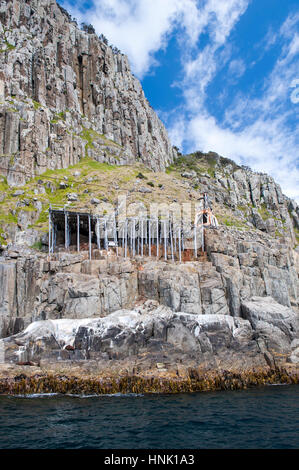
x=128, y=237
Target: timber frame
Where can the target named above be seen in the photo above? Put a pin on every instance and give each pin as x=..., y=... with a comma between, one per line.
x=75, y=230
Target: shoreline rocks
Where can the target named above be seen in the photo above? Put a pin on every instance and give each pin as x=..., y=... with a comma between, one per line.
x=23, y=382
x=154, y=334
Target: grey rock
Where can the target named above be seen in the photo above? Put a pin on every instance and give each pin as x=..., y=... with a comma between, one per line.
x=267, y=310
x=190, y=174
x=276, y=324
x=72, y=197
x=144, y=190
x=95, y=201
x=130, y=333
x=19, y=192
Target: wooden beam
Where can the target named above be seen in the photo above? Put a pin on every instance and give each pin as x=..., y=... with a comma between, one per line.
x=78, y=233
x=89, y=235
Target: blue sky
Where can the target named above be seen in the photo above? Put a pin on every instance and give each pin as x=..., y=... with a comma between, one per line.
x=223, y=75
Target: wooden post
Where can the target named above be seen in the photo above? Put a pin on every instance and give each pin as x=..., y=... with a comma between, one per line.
x=66, y=231
x=149, y=238
x=98, y=233
x=106, y=236
x=126, y=237
x=157, y=238
x=180, y=246
x=138, y=238
x=50, y=230
x=171, y=241
x=78, y=233
x=142, y=237
x=195, y=241
x=89, y=236
x=133, y=237
x=165, y=241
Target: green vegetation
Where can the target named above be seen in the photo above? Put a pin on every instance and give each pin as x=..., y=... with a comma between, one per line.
x=9, y=47
x=3, y=184
x=36, y=104
x=2, y=240
x=8, y=218
x=37, y=245
x=90, y=136
x=231, y=221
x=278, y=234
x=243, y=209
x=58, y=117
x=264, y=213
x=44, y=217
x=85, y=165
x=198, y=162
x=61, y=115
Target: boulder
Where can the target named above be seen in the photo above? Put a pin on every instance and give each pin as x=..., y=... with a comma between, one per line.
x=276, y=324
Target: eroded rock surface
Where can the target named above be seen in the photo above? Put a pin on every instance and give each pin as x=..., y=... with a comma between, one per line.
x=240, y=266
x=65, y=94
x=154, y=333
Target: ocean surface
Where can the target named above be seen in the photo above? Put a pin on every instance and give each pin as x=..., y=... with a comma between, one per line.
x=260, y=418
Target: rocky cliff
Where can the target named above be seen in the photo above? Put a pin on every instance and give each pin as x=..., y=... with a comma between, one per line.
x=241, y=197
x=65, y=94
x=76, y=130
x=235, y=310
x=239, y=266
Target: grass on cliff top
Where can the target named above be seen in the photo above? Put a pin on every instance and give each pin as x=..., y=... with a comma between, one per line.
x=103, y=181
x=85, y=166
x=106, y=182
x=201, y=163
x=198, y=162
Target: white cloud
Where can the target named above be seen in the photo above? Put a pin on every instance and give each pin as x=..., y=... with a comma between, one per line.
x=237, y=68
x=141, y=27
x=265, y=146
x=220, y=18
x=262, y=133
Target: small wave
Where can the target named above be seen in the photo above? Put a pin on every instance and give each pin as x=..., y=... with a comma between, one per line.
x=37, y=395
x=104, y=395
x=76, y=395
x=125, y=395
x=276, y=385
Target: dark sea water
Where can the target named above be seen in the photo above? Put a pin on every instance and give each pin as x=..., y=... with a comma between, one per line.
x=259, y=418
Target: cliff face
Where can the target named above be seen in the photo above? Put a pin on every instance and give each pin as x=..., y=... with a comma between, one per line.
x=239, y=266
x=64, y=95
x=246, y=276
x=241, y=197
x=145, y=326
